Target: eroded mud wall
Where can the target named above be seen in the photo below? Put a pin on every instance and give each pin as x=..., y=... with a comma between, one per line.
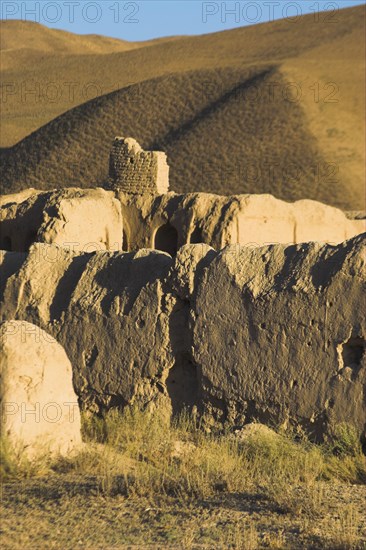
x=272, y=333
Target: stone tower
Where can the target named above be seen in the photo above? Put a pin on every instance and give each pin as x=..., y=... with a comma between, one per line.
x=133, y=170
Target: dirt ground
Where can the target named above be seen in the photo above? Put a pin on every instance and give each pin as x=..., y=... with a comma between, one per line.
x=68, y=512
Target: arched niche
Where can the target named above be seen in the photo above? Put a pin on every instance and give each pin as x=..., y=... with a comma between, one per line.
x=166, y=239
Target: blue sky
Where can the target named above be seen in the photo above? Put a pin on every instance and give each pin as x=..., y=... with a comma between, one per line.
x=145, y=19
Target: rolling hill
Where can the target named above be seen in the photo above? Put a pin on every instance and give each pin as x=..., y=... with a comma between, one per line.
x=273, y=108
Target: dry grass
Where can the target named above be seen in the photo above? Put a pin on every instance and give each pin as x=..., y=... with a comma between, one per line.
x=155, y=456
x=193, y=488
x=207, y=102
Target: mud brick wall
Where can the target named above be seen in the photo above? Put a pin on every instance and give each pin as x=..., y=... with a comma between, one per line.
x=133, y=170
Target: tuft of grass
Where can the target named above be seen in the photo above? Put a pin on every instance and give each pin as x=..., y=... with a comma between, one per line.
x=14, y=463
x=344, y=457
x=7, y=460
x=242, y=537
x=345, y=441
x=344, y=532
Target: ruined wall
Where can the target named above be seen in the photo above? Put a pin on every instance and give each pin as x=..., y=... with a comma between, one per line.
x=218, y=221
x=280, y=333
x=195, y=217
x=133, y=170
x=95, y=219
x=273, y=333
x=263, y=219
x=108, y=310
x=80, y=219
